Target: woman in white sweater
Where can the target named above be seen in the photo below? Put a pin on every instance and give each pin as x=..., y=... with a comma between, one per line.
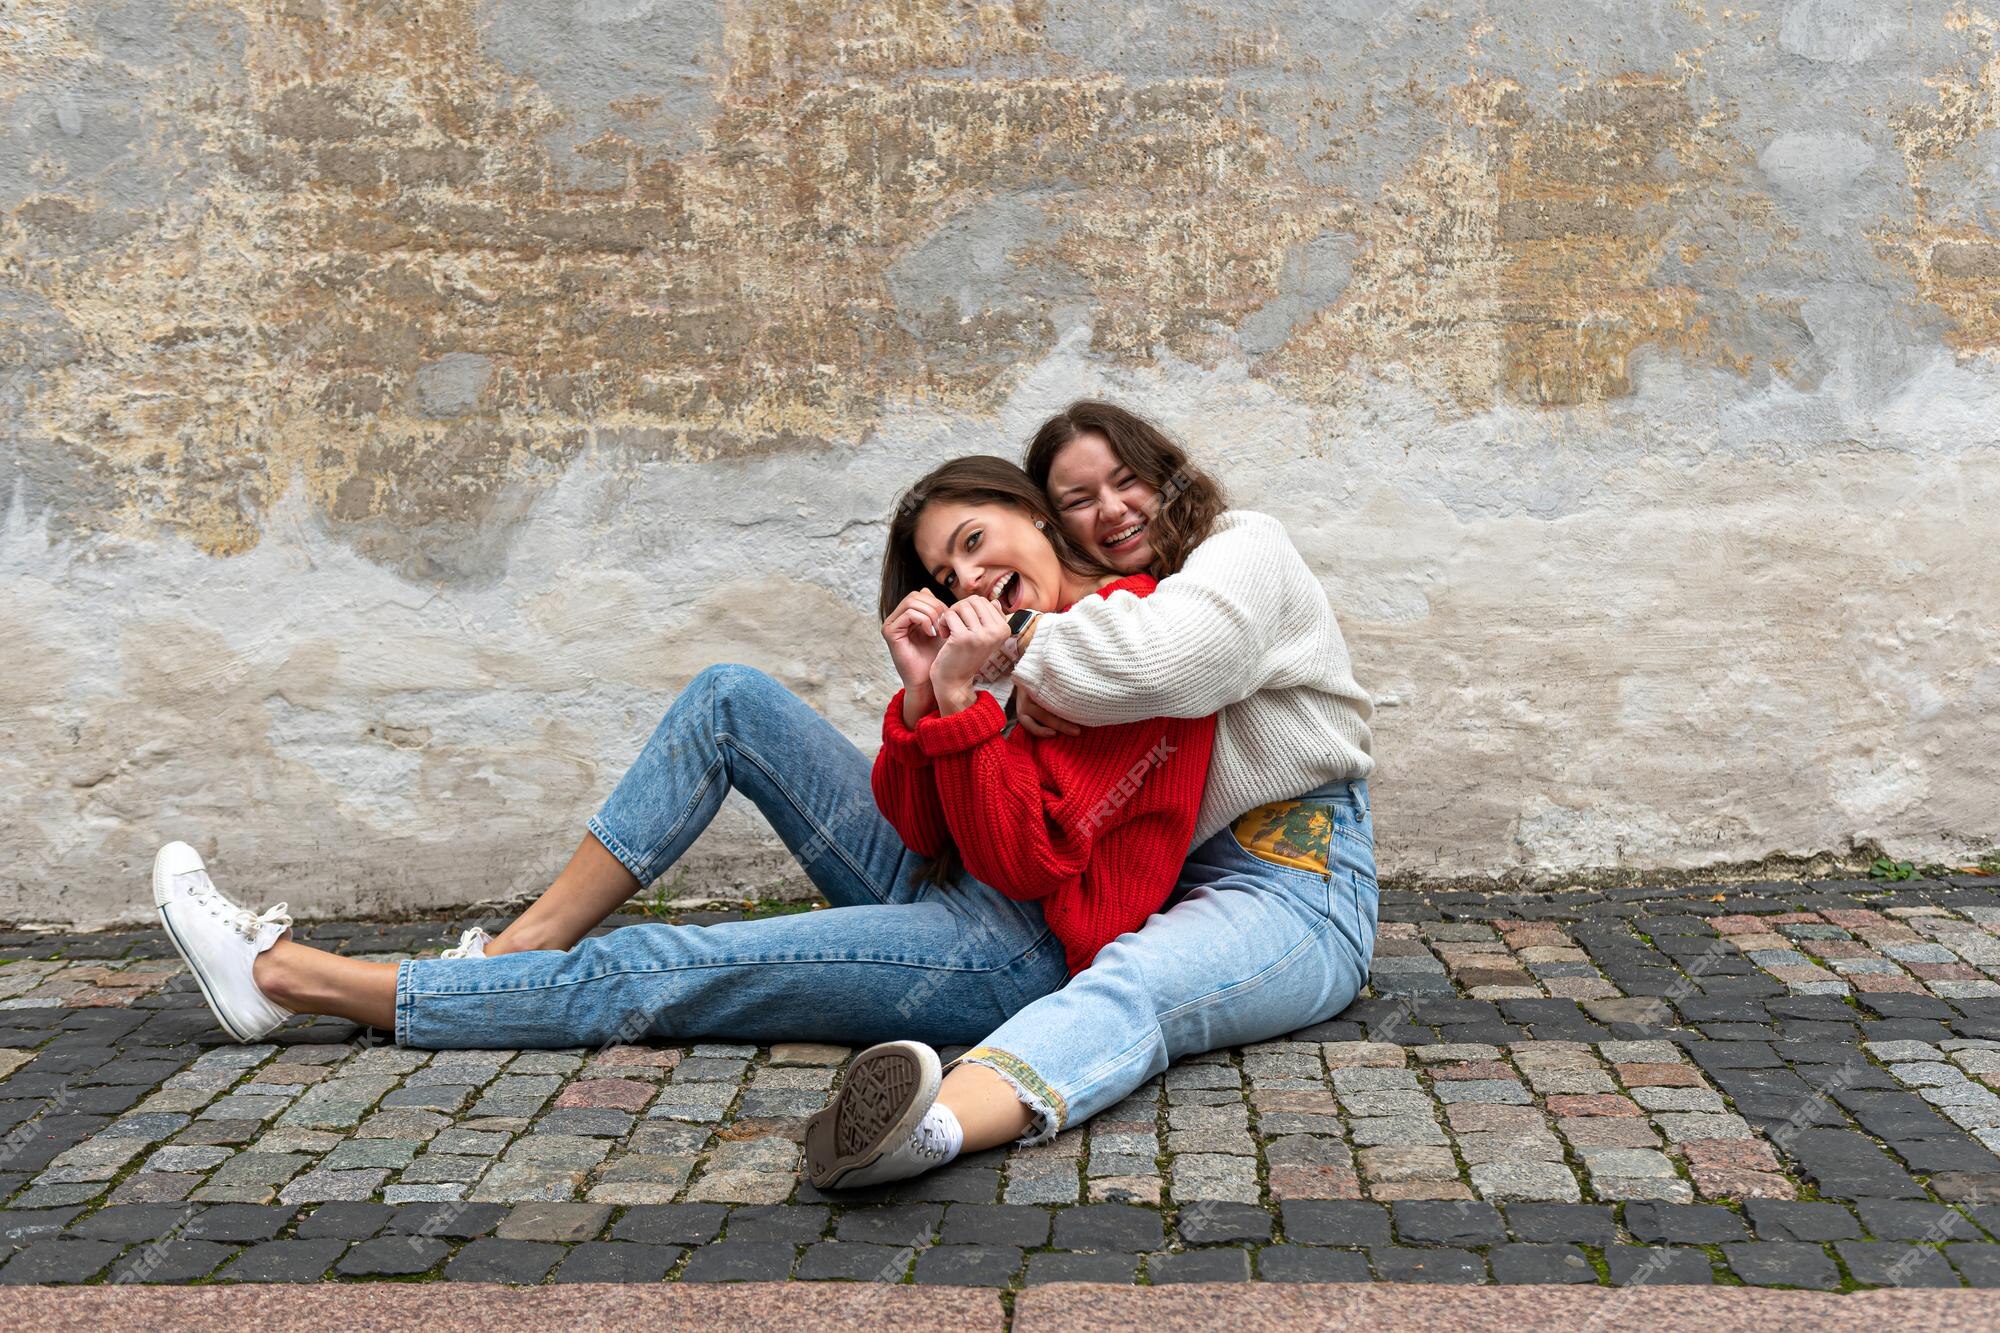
x=1269, y=929
x=1272, y=925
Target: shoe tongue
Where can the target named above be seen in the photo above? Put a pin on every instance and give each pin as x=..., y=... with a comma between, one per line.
x=264, y=930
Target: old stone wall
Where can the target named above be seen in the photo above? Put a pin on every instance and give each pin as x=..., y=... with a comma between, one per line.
x=401, y=402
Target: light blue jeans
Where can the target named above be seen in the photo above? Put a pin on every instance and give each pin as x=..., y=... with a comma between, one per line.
x=1246, y=950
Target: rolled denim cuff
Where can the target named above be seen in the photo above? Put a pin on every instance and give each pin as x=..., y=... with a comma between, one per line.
x=1046, y=1107
x=628, y=858
x=402, y=1029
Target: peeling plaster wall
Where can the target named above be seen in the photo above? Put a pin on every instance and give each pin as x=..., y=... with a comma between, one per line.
x=403, y=402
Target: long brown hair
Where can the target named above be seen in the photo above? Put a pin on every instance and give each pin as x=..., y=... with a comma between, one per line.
x=972, y=479
x=1190, y=500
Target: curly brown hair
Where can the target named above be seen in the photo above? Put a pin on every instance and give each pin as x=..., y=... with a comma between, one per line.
x=1190, y=500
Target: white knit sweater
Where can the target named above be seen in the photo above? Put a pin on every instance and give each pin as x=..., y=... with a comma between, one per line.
x=1244, y=628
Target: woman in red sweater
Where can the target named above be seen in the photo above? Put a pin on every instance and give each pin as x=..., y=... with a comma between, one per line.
x=1093, y=826
x=972, y=868
x=1065, y=822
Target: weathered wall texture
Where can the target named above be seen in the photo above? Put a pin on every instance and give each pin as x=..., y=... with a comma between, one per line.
x=403, y=401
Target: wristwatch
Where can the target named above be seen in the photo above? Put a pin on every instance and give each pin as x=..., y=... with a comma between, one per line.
x=1019, y=620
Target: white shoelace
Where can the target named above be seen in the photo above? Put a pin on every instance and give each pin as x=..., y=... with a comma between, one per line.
x=471, y=944
x=925, y=1142
x=276, y=914
x=246, y=923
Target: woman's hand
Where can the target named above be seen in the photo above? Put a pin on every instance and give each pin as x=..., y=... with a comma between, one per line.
x=914, y=632
x=1037, y=717
x=974, y=630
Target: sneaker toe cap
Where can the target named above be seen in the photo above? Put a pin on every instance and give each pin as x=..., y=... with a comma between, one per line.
x=176, y=858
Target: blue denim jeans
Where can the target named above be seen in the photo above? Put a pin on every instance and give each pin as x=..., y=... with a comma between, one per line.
x=891, y=957
x=1245, y=949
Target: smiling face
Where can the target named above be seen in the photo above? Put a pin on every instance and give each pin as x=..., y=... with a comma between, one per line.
x=1104, y=505
x=973, y=550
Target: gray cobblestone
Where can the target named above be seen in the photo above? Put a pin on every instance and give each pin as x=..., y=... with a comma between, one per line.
x=1532, y=1120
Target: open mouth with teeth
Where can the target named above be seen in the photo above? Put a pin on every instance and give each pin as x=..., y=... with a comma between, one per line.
x=1007, y=591
x=1124, y=537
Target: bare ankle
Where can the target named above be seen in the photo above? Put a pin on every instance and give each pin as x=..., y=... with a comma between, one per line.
x=272, y=977
x=519, y=938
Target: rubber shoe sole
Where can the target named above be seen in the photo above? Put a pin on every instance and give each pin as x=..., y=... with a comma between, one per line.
x=880, y=1104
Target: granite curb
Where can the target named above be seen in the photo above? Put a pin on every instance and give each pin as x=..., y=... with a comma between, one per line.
x=1056, y=1308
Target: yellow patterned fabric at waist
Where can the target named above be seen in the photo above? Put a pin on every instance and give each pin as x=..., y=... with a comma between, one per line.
x=1287, y=833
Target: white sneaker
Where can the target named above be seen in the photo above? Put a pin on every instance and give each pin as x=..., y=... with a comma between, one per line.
x=218, y=940
x=873, y=1130
x=472, y=944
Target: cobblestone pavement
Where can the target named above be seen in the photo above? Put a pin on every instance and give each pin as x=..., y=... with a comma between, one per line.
x=1785, y=1084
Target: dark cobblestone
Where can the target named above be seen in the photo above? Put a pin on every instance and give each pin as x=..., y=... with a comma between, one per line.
x=524, y=1262
x=1109, y=1226
x=853, y=1261
x=1223, y=1223
x=1297, y=1263
x=59, y=1261
x=1396, y=1263
x=957, y=1183
x=1016, y=1225
x=781, y=1222
x=344, y=1221
x=671, y=1223
x=1583, y=1223
x=447, y=1221
x=1682, y=1223
x=1688, y=1067
x=1646, y=1264
x=1058, y=1266
x=968, y=1265
x=23, y=1226
x=1887, y=1219
x=1540, y=1263
x=133, y=1221
x=1783, y=1264
x=242, y=1223
x=1435, y=1223
x=896, y=1224
x=172, y=1260
x=1227, y=1263
x=392, y=1256
x=285, y=1261
x=739, y=1261
x=1783, y=1219
x=618, y=1261
x=1335, y=1222
x=1887, y=1264
x=1980, y=1264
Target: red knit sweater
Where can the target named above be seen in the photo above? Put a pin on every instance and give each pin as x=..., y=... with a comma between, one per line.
x=1094, y=826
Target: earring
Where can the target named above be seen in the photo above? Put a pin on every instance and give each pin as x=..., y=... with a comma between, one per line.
x=1039, y=523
